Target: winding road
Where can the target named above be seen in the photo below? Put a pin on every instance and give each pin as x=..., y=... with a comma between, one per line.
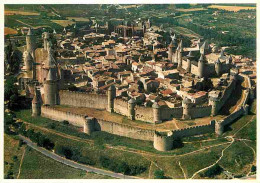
x=72, y=163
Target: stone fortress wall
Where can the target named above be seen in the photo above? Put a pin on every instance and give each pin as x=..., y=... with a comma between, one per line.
x=80, y=99
x=144, y=113
x=121, y=107
x=162, y=141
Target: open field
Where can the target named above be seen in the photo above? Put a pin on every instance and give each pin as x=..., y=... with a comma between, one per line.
x=191, y=9
x=11, y=149
x=232, y=8
x=14, y=12
x=63, y=23
x=9, y=30
x=38, y=166
x=78, y=19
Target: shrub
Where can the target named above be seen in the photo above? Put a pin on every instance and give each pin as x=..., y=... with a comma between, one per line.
x=213, y=171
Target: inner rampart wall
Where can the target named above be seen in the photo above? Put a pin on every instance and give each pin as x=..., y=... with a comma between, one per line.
x=168, y=113
x=144, y=113
x=81, y=99
x=121, y=107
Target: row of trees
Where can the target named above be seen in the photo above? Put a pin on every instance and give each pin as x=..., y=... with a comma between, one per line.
x=37, y=137
x=121, y=166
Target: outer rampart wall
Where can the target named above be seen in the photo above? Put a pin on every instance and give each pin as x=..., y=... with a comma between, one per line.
x=124, y=130
x=80, y=99
x=196, y=130
x=74, y=119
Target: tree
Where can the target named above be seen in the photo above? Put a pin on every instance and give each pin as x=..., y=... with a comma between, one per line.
x=159, y=174
x=13, y=58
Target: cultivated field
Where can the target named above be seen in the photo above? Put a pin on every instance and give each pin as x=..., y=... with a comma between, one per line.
x=191, y=9
x=232, y=8
x=10, y=31
x=78, y=19
x=13, y=12
x=63, y=23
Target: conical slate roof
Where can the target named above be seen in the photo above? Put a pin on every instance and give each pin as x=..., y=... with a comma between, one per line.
x=30, y=33
x=131, y=101
x=155, y=105
x=50, y=62
x=50, y=76
x=190, y=54
x=29, y=57
x=222, y=53
x=218, y=61
x=201, y=57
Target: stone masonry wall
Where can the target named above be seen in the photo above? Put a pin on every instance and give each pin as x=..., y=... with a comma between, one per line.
x=144, y=113
x=74, y=119
x=200, y=112
x=168, y=113
x=196, y=130
x=80, y=99
x=124, y=130
x=120, y=107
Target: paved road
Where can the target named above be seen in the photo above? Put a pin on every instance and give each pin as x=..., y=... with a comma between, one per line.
x=72, y=163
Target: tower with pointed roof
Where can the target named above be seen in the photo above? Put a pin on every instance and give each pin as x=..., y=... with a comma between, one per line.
x=31, y=43
x=218, y=67
x=189, y=59
x=28, y=61
x=172, y=49
x=180, y=51
x=50, y=88
x=201, y=66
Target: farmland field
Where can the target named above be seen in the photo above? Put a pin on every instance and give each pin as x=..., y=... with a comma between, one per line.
x=232, y=8
x=13, y=12
x=63, y=23
x=10, y=31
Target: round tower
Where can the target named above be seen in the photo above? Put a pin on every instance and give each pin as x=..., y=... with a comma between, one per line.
x=50, y=89
x=156, y=113
x=131, y=109
x=28, y=61
x=111, y=94
x=201, y=66
x=180, y=55
x=214, y=103
x=36, y=103
x=88, y=127
x=218, y=67
x=189, y=59
x=30, y=42
x=219, y=128
x=171, y=49
x=46, y=37
x=163, y=141
x=186, y=104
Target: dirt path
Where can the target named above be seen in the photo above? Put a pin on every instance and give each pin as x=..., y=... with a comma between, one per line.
x=222, y=154
x=21, y=162
x=184, y=175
